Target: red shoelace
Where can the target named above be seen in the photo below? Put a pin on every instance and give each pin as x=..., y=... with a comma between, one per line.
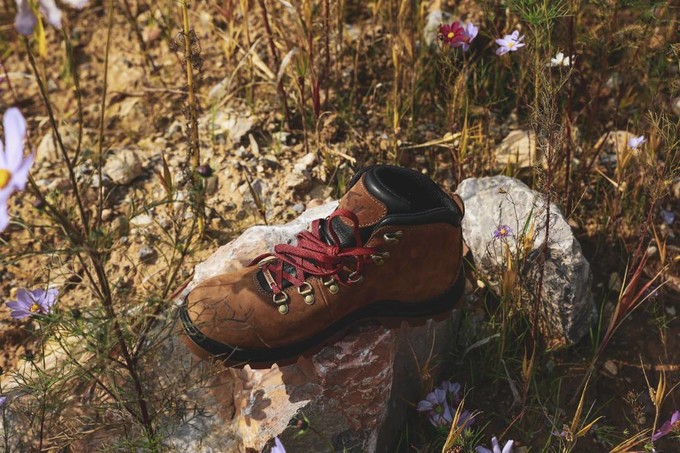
x=313, y=256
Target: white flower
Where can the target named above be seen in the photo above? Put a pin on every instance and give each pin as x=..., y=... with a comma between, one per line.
x=507, y=448
x=561, y=60
x=635, y=142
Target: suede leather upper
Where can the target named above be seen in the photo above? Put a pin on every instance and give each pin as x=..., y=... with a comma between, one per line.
x=235, y=310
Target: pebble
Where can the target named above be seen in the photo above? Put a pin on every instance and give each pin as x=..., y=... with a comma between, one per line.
x=610, y=367
x=141, y=220
x=298, y=208
x=146, y=254
x=123, y=166
x=107, y=214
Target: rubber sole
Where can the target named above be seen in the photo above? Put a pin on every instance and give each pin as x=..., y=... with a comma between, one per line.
x=391, y=314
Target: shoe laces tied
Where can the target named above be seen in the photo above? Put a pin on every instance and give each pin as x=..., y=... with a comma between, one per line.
x=313, y=256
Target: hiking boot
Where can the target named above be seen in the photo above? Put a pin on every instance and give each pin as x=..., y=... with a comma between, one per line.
x=391, y=251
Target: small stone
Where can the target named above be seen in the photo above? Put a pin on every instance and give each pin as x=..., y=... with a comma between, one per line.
x=123, y=166
x=229, y=125
x=146, y=254
x=141, y=220
x=610, y=367
x=298, y=208
x=107, y=214
x=305, y=162
x=282, y=138
x=296, y=181
x=518, y=149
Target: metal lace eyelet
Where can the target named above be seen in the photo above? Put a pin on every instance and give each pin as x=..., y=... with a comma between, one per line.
x=380, y=258
x=394, y=237
x=355, y=277
x=281, y=299
x=266, y=260
x=307, y=292
x=333, y=287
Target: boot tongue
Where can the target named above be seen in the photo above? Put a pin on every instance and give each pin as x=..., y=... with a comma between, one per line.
x=370, y=200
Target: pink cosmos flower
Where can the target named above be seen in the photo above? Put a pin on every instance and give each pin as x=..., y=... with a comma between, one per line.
x=25, y=19
x=668, y=426
x=507, y=448
x=451, y=34
x=13, y=166
x=509, y=43
x=30, y=303
x=278, y=446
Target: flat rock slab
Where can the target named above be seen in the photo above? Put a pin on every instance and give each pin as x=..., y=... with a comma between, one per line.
x=355, y=392
x=567, y=305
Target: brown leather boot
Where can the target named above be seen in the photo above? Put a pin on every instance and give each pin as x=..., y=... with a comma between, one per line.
x=391, y=251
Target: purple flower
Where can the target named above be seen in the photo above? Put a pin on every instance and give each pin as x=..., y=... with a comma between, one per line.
x=437, y=408
x=452, y=390
x=668, y=426
x=2, y=400
x=441, y=405
x=509, y=43
x=13, y=166
x=278, y=446
x=635, y=142
x=469, y=33
x=36, y=302
x=668, y=217
x=25, y=19
x=507, y=448
x=502, y=232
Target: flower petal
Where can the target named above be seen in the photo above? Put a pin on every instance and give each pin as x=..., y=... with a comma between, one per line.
x=675, y=417
x=494, y=445
x=508, y=446
x=481, y=449
x=424, y=405
x=18, y=310
x=20, y=175
x=4, y=216
x=25, y=20
x=15, y=131
x=52, y=12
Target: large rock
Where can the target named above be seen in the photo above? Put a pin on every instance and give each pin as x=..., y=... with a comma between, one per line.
x=355, y=392
x=567, y=304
